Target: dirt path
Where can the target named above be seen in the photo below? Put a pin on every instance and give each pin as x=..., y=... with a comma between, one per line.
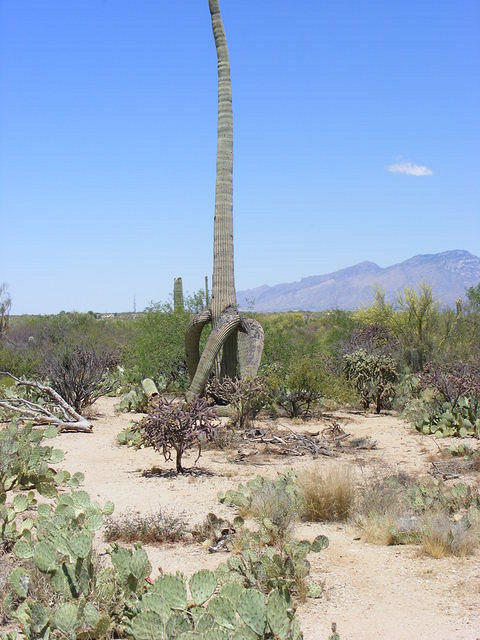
x=389, y=593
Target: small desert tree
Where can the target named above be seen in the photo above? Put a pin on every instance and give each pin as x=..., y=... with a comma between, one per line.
x=178, y=426
x=415, y=320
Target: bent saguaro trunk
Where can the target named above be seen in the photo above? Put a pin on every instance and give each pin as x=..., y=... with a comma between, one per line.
x=222, y=313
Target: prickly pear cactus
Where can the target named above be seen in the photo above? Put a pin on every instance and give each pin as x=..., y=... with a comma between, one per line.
x=214, y=606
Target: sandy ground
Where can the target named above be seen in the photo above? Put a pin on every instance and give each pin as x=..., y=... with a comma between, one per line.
x=389, y=593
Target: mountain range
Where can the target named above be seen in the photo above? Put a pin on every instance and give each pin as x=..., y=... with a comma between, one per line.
x=449, y=273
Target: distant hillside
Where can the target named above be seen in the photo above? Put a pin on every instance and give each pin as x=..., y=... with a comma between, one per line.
x=449, y=273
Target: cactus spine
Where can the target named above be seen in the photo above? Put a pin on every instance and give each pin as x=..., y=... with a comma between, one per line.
x=228, y=326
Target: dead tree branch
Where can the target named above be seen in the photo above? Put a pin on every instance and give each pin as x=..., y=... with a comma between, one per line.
x=61, y=414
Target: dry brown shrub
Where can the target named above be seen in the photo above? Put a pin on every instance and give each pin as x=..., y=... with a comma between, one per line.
x=327, y=495
x=154, y=528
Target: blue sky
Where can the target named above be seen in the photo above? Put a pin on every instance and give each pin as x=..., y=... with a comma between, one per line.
x=108, y=142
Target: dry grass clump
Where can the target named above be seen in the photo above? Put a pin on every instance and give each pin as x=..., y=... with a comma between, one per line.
x=275, y=504
x=383, y=512
x=441, y=537
x=378, y=528
x=154, y=528
x=327, y=495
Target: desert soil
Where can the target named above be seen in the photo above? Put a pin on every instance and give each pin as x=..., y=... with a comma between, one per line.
x=389, y=593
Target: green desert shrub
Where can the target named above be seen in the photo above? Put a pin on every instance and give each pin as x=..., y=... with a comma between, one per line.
x=298, y=389
x=293, y=335
x=157, y=347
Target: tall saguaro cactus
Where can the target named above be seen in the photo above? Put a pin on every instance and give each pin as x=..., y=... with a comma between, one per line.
x=178, y=295
x=238, y=339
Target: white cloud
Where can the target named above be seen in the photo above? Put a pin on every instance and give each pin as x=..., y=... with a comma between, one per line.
x=410, y=169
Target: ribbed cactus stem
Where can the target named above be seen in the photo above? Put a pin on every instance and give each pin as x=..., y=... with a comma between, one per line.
x=223, y=284
x=178, y=295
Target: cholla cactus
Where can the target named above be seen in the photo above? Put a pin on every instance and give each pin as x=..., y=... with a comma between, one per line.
x=236, y=338
x=173, y=426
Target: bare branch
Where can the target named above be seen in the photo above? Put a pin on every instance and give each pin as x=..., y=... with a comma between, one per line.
x=41, y=414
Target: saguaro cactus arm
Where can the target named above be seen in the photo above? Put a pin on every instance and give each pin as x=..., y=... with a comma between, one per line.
x=228, y=325
x=192, y=340
x=250, y=347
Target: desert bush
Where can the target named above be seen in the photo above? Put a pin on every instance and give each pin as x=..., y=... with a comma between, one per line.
x=178, y=426
x=443, y=537
x=19, y=361
x=373, y=376
x=246, y=397
x=372, y=338
x=157, y=347
x=156, y=528
x=398, y=510
x=32, y=339
x=80, y=375
x=293, y=335
x=423, y=330
x=413, y=318
x=327, y=495
x=297, y=389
